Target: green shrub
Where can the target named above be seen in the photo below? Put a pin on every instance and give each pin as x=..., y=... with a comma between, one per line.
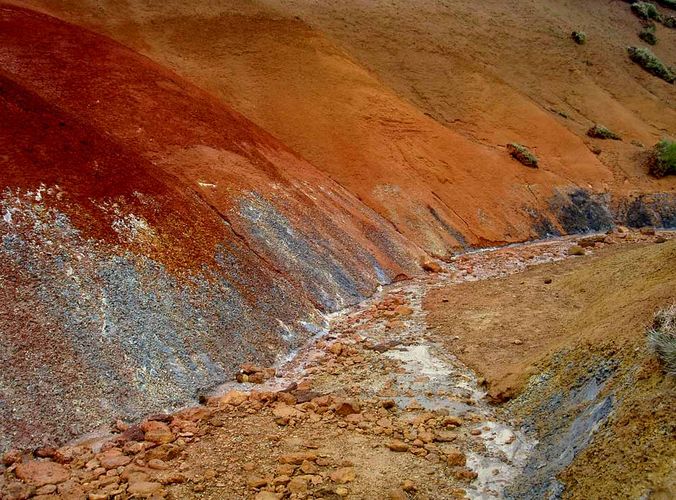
x=645, y=10
x=663, y=158
x=662, y=338
x=667, y=3
x=601, y=132
x=523, y=154
x=580, y=37
x=669, y=22
x=648, y=61
x=647, y=34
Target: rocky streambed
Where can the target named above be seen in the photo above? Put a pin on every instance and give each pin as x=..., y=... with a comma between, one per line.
x=372, y=407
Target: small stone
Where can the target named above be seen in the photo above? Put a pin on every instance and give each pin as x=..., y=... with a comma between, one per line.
x=398, y=446
x=267, y=495
x=297, y=485
x=341, y=491
x=548, y=281
x=408, y=486
x=452, y=421
x=388, y=404
x=576, y=250
x=343, y=475
x=41, y=473
x=255, y=482
x=157, y=464
x=336, y=348
x=157, y=432
x=297, y=458
x=445, y=436
x=397, y=494
x=347, y=407
x=456, y=458
x=234, y=398
x=11, y=457
x=112, y=459
x=465, y=474
x=143, y=488
x=431, y=266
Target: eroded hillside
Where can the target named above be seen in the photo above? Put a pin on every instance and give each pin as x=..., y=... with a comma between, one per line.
x=188, y=186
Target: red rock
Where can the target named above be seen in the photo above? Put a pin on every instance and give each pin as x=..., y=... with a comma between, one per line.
x=298, y=458
x=157, y=432
x=456, y=458
x=398, y=446
x=234, y=398
x=143, y=488
x=113, y=459
x=347, y=407
x=343, y=475
x=431, y=266
x=41, y=473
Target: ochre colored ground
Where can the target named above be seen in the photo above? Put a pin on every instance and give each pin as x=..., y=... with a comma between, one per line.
x=410, y=105
x=507, y=327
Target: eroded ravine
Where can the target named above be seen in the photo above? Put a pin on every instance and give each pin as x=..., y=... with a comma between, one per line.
x=373, y=406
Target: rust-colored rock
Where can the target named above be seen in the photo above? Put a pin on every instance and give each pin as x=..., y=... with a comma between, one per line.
x=41, y=473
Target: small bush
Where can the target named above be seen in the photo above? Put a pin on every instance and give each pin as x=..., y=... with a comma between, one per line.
x=667, y=3
x=662, y=338
x=647, y=34
x=669, y=22
x=579, y=37
x=601, y=132
x=523, y=154
x=649, y=62
x=663, y=158
x=645, y=10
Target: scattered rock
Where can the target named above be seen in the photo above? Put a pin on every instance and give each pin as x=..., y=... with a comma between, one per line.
x=397, y=494
x=398, y=446
x=143, y=488
x=234, y=398
x=347, y=407
x=343, y=475
x=268, y=495
x=576, y=250
x=431, y=267
x=408, y=486
x=157, y=432
x=456, y=458
x=41, y=473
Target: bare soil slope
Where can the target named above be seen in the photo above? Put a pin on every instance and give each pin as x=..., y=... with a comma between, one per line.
x=404, y=104
x=505, y=327
x=152, y=238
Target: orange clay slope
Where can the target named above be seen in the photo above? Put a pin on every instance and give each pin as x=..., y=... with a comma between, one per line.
x=443, y=179
x=152, y=240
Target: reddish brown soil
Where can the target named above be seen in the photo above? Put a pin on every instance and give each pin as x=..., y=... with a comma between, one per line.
x=355, y=103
